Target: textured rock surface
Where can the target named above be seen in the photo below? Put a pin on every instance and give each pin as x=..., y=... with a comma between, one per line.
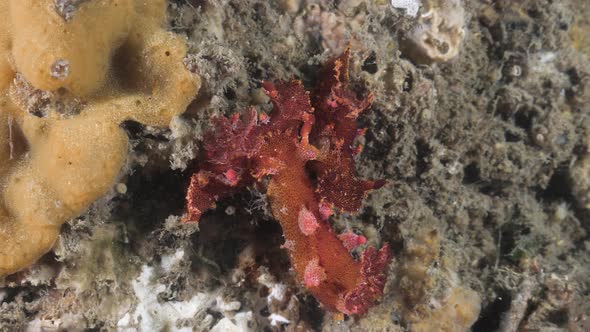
x=485, y=156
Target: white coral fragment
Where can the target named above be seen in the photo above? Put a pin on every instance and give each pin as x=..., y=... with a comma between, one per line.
x=411, y=6
x=238, y=324
x=170, y=261
x=227, y=306
x=152, y=315
x=277, y=320
x=438, y=35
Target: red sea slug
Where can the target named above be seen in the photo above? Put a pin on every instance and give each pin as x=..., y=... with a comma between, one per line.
x=304, y=134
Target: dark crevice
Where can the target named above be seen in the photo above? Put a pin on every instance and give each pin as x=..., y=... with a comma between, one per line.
x=491, y=316
x=524, y=117
x=310, y=311
x=559, y=187
x=408, y=82
x=495, y=188
x=229, y=94
x=370, y=64
x=512, y=137
x=471, y=173
x=559, y=317
x=422, y=158
x=137, y=131
x=151, y=199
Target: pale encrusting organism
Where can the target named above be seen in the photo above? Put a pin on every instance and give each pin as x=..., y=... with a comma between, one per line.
x=69, y=80
x=438, y=33
x=411, y=6
x=434, y=301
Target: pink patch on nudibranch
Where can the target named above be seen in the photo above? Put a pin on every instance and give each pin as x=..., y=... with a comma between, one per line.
x=263, y=118
x=314, y=274
x=332, y=103
x=289, y=245
x=307, y=221
x=351, y=240
x=325, y=210
x=231, y=177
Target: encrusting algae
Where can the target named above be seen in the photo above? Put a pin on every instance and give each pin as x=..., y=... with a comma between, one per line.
x=104, y=61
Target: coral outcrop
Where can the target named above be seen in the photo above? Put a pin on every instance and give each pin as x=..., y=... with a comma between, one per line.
x=438, y=35
x=431, y=293
x=457, y=312
x=69, y=80
x=305, y=133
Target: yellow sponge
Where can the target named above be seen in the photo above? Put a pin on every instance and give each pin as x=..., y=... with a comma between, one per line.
x=115, y=59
